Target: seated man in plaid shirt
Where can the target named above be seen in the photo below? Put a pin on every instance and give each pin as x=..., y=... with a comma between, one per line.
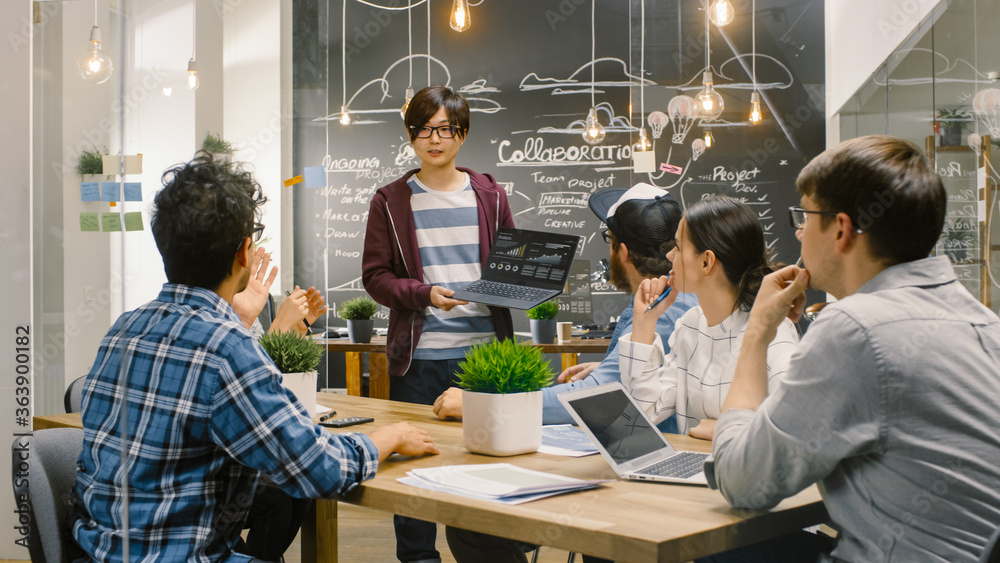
x=205, y=413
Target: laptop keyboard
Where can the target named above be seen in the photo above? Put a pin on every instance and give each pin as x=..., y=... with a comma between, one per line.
x=511, y=291
x=680, y=466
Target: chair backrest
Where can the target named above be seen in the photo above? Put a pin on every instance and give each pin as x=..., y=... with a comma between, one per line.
x=267, y=313
x=73, y=399
x=53, y=456
x=992, y=552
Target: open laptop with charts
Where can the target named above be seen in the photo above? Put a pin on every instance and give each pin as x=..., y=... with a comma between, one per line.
x=524, y=269
x=628, y=439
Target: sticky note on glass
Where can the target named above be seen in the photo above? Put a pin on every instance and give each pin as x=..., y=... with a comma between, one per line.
x=643, y=162
x=315, y=177
x=133, y=164
x=110, y=191
x=133, y=191
x=133, y=221
x=89, y=222
x=111, y=164
x=292, y=181
x=111, y=222
x=90, y=191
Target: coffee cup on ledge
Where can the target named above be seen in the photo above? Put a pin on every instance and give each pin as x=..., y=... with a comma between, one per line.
x=564, y=331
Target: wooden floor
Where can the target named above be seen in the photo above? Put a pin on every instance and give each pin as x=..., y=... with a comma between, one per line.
x=366, y=536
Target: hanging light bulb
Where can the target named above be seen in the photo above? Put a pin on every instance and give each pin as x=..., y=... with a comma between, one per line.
x=710, y=103
x=460, y=15
x=643, y=144
x=192, y=80
x=721, y=12
x=94, y=65
x=709, y=139
x=593, y=131
x=755, y=114
x=406, y=104
x=345, y=116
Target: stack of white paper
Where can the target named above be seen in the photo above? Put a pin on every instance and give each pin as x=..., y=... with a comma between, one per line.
x=498, y=482
x=566, y=440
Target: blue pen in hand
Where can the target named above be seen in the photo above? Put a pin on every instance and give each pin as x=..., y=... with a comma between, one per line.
x=657, y=301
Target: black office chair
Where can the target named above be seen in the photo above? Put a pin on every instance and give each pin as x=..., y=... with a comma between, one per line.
x=73, y=399
x=992, y=552
x=54, y=452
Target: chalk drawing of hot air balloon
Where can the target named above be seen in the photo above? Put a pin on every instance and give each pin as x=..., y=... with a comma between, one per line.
x=657, y=121
x=986, y=104
x=682, y=112
x=697, y=148
x=975, y=142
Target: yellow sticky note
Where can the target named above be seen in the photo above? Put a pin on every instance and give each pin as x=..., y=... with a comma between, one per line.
x=111, y=164
x=293, y=181
x=133, y=164
x=111, y=222
x=133, y=221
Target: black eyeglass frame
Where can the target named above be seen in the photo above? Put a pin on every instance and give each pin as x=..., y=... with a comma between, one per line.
x=795, y=210
x=606, y=235
x=431, y=130
x=255, y=234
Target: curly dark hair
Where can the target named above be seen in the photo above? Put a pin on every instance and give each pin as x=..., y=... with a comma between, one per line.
x=730, y=229
x=206, y=208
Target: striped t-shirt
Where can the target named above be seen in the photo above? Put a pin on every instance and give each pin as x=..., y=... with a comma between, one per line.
x=448, y=237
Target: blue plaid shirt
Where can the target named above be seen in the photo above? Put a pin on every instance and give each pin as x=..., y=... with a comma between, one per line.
x=206, y=413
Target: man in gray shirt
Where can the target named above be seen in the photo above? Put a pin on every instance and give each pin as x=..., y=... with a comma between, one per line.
x=892, y=403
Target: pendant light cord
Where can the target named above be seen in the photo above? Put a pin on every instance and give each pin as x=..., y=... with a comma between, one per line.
x=428, y=42
x=592, y=50
x=343, y=52
x=753, y=35
x=642, y=60
x=409, y=40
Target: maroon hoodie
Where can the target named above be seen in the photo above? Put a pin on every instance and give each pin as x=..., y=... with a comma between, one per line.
x=391, y=268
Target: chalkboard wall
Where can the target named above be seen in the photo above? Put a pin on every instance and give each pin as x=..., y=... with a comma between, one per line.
x=525, y=67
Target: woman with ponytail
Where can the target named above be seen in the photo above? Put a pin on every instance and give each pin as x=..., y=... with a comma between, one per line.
x=719, y=256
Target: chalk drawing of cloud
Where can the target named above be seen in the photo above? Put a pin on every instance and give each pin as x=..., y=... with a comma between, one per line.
x=574, y=85
x=605, y=114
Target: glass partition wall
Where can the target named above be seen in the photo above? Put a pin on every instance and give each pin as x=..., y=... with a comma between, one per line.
x=939, y=89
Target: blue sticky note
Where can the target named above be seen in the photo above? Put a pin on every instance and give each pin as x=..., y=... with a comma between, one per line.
x=133, y=191
x=90, y=191
x=110, y=191
x=315, y=177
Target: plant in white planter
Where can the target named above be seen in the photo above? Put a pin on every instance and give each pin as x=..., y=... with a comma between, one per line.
x=358, y=313
x=502, y=398
x=297, y=357
x=542, y=318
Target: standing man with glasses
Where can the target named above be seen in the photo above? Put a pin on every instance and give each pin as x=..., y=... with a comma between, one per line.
x=428, y=233
x=890, y=402
x=201, y=403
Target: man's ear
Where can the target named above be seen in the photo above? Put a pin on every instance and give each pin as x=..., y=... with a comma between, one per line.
x=243, y=254
x=846, y=231
x=623, y=253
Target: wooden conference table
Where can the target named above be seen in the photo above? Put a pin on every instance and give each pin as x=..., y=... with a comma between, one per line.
x=622, y=520
x=378, y=363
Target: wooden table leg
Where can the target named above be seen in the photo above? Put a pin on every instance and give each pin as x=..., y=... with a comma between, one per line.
x=352, y=361
x=319, y=533
x=569, y=360
x=378, y=376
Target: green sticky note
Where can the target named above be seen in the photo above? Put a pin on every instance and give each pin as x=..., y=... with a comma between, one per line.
x=111, y=222
x=89, y=222
x=133, y=221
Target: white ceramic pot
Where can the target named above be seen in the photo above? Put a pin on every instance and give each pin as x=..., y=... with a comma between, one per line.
x=303, y=386
x=502, y=425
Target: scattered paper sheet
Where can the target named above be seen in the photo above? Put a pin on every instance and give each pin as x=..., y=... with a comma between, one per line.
x=566, y=440
x=501, y=482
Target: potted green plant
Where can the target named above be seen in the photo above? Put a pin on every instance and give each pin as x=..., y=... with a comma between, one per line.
x=542, y=319
x=953, y=122
x=957, y=244
x=501, y=398
x=216, y=145
x=358, y=313
x=296, y=356
x=91, y=162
